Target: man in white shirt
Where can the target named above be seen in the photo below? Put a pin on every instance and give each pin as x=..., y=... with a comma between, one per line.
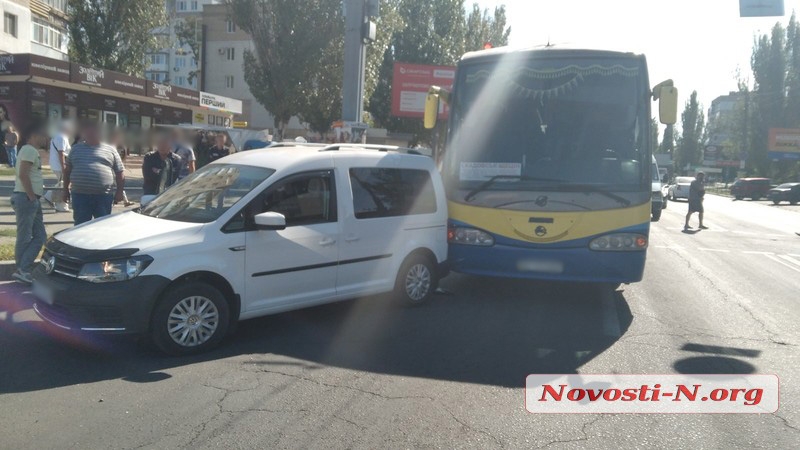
x=59, y=149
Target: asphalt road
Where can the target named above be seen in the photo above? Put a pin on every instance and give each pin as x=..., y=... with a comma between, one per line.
x=372, y=374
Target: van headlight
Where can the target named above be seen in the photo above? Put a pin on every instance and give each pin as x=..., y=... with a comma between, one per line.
x=469, y=236
x=114, y=270
x=619, y=242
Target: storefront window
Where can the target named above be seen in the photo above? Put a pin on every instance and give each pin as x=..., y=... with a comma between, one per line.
x=38, y=109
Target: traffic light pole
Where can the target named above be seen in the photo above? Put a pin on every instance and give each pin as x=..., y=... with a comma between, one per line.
x=355, y=57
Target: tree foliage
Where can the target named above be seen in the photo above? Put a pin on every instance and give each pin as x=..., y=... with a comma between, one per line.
x=187, y=33
x=668, y=140
x=485, y=28
x=114, y=34
x=689, y=150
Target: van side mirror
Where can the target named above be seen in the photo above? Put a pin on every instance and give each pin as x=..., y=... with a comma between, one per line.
x=667, y=96
x=270, y=221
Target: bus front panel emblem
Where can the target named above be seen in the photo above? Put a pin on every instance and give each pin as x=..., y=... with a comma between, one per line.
x=541, y=231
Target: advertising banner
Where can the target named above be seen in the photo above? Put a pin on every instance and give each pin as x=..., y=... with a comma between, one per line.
x=784, y=144
x=410, y=86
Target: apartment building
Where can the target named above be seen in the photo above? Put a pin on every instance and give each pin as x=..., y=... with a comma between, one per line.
x=176, y=63
x=225, y=45
x=37, y=27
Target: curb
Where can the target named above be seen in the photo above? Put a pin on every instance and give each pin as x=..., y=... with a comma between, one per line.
x=6, y=269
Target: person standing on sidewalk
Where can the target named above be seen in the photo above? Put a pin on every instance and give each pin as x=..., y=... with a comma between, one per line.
x=11, y=139
x=28, y=189
x=184, y=150
x=59, y=149
x=696, y=193
x=218, y=150
x=95, y=176
x=160, y=168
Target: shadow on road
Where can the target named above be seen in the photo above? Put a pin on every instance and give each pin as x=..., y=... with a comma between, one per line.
x=488, y=332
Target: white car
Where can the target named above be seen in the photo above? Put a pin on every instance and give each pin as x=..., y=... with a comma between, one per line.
x=680, y=188
x=252, y=234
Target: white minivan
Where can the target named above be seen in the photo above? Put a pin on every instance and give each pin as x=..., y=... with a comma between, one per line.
x=255, y=233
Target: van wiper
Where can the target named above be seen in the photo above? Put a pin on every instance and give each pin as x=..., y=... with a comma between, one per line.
x=491, y=181
x=596, y=189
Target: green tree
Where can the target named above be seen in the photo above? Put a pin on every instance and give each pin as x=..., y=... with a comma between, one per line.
x=690, y=144
x=654, y=134
x=114, y=34
x=290, y=39
x=668, y=140
x=188, y=32
x=484, y=28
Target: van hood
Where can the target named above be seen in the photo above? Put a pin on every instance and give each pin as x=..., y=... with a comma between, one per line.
x=126, y=230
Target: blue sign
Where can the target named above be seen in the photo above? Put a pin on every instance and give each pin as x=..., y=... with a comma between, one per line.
x=784, y=156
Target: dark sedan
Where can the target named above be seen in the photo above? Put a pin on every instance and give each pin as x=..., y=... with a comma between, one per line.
x=786, y=192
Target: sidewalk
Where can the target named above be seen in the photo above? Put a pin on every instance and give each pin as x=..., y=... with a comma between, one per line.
x=54, y=221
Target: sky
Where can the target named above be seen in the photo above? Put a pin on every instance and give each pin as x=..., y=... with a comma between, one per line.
x=700, y=44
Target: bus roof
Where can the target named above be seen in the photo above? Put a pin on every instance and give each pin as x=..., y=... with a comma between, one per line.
x=547, y=50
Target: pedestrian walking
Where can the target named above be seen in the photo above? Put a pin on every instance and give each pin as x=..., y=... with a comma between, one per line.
x=94, y=174
x=219, y=150
x=25, y=200
x=696, y=193
x=11, y=140
x=184, y=150
x=122, y=149
x=160, y=168
x=59, y=149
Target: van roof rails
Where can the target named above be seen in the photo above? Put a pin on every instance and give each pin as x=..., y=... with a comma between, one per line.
x=377, y=147
x=294, y=144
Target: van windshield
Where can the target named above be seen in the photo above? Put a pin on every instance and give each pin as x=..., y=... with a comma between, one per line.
x=206, y=194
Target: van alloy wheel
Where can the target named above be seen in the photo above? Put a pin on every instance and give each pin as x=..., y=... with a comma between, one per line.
x=418, y=282
x=193, y=321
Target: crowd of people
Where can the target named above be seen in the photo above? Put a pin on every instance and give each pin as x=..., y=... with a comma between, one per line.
x=88, y=163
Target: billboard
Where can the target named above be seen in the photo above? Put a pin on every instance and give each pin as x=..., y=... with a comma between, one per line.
x=410, y=87
x=784, y=144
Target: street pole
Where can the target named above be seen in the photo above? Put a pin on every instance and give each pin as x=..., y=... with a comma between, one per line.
x=355, y=56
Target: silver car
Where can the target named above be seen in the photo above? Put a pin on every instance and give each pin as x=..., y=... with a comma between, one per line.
x=680, y=188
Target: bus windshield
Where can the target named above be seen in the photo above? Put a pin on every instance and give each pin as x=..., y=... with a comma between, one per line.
x=548, y=124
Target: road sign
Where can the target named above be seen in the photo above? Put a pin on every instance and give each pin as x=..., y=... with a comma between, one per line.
x=410, y=87
x=761, y=8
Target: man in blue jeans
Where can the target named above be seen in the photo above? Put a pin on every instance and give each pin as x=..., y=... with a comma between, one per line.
x=28, y=189
x=94, y=174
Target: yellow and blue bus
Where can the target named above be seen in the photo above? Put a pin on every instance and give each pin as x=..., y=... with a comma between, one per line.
x=547, y=163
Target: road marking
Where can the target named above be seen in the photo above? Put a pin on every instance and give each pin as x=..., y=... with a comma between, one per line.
x=719, y=250
x=779, y=261
x=790, y=259
x=757, y=253
x=611, y=326
x=674, y=247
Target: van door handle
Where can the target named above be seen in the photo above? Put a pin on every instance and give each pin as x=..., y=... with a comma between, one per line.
x=351, y=238
x=327, y=241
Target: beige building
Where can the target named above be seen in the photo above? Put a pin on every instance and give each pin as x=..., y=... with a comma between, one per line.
x=38, y=27
x=223, y=69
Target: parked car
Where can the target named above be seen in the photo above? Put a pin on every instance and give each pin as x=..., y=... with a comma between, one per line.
x=680, y=188
x=753, y=188
x=786, y=192
x=255, y=233
x=657, y=200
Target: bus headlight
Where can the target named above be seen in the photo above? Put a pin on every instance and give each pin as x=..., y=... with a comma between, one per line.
x=619, y=242
x=469, y=236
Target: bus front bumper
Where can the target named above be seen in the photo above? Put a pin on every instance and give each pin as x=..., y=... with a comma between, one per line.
x=561, y=264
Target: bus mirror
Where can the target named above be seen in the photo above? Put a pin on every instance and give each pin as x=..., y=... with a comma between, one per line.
x=431, y=110
x=668, y=104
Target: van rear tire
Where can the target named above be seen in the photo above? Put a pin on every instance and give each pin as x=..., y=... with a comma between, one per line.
x=190, y=318
x=416, y=281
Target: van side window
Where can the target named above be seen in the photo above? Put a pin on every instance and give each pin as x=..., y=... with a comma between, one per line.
x=304, y=199
x=379, y=192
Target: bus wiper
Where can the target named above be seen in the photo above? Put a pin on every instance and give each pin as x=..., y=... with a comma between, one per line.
x=599, y=190
x=491, y=181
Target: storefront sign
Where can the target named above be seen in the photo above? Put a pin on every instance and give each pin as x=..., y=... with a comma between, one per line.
x=125, y=83
x=14, y=64
x=71, y=97
x=186, y=96
x=38, y=92
x=5, y=90
x=158, y=111
x=220, y=103
x=159, y=91
x=88, y=76
x=134, y=108
x=110, y=104
x=53, y=69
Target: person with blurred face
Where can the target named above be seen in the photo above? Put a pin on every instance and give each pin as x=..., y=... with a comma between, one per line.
x=28, y=189
x=94, y=175
x=696, y=193
x=59, y=149
x=160, y=168
x=218, y=150
x=182, y=149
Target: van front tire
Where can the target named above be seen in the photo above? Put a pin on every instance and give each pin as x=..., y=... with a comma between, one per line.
x=417, y=280
x=190, y=318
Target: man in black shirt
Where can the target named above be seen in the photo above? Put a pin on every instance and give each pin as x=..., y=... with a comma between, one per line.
x=696, y=193
x=160, y=168
x=218, y=150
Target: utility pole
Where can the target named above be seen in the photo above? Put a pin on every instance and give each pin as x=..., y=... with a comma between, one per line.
x=359, y=30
